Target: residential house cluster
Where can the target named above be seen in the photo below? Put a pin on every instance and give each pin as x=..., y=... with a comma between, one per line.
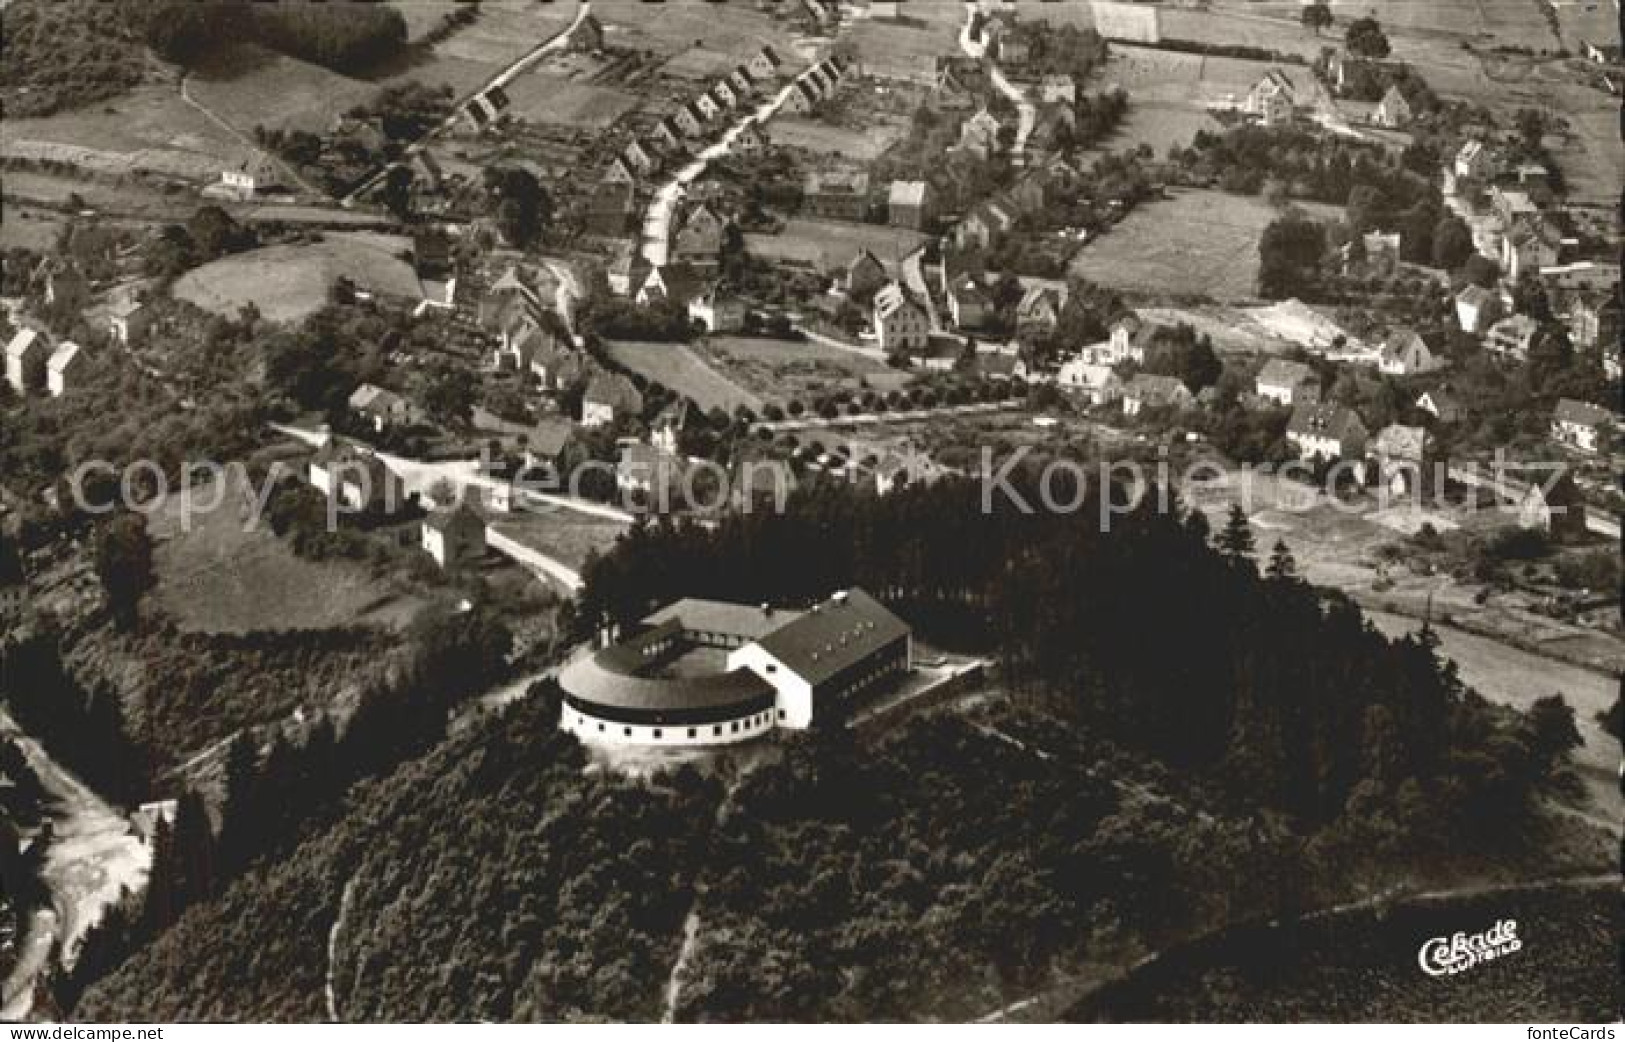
x=642, y=156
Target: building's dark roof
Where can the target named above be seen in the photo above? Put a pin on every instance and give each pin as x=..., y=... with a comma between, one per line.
x=738, y=620
x=550, y=436
x=1584, y=414
x=834, y=635
x=1283, y=372
x=608, y=679
x=1326, y=420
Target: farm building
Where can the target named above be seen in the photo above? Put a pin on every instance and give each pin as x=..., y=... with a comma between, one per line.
x=1393, y=111
x=782, y=669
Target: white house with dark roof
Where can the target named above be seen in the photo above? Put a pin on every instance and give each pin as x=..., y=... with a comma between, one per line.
x=1286, y=382
x=26, y=356
x=1580, y=424
x=900, y=323
x=454, y=536
x=65, y=368
x=1406, y=353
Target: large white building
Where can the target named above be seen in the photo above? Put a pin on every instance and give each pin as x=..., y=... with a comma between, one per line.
x=706, y=672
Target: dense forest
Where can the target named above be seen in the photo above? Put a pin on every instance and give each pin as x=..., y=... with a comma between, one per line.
x=1285, y=695
x=346, y=37
x=939, y=867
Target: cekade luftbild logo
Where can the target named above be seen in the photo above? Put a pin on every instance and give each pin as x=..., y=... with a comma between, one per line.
x=1443, y=956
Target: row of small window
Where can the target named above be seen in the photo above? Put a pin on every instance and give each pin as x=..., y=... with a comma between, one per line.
x=759, y=720
x=894, y=666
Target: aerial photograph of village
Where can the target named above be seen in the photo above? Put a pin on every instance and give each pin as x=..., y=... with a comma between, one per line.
x=810, y=511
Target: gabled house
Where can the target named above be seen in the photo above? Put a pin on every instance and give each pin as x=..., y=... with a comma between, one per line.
x=968, y=303
x=864, y=274
x=1556, y=507
x=678, y=283
x=688, y=119
x=699, y=240
x=706, y=107
x=665, y=433
x=1272, y=98
x=1580, y=424
x=740, y=81
x=382, y=409
x=545, y=443
x=724, y=93
x=979, y=135
x=803, y=96
x=752, y=138
x=357, y=481
x=627, y=271
x=1474, y=161
x=648, y=471
x=1058, y=87
x=984, y=226
x=1441, y=404
x=609, y=397
x=1592, y=317
x=901, y=325
x=1326, y=431
x=1286, y=382
x=667, y=135
x=1399, y=453
x=619, y=171
x=588, y=35
x=717, y=310
x=1407, y=353
x=839, y=194
x=1476, y=309
x=765, y=64
x=1512, y=337
x=1128, y=340
x=1098, y=384
x=454, y=536
x=1529, y=245
x=909, y=205
x=1039, y=311
x=126, y=318
x=638, y=157
x=1393, y=111
x=65, y=368
x=1150, y=391
x=26, y=358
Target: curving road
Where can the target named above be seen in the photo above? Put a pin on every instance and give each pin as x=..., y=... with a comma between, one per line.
x=1026, y=113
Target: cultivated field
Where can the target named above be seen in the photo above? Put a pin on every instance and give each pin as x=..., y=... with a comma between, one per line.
x=1515, y=22
x=703, y=38
x=290, y=281
x=831, y=244
x=251, y=86
x=215, y=577
x=567, y=536
x=543, y=98
x=861, y=145
x=678, y=367
x=148, y=129
x=784, y=369
x=1195, y=242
